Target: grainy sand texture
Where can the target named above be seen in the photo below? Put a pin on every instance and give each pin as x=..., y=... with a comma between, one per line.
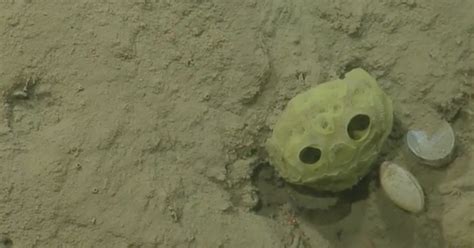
x=142, y=123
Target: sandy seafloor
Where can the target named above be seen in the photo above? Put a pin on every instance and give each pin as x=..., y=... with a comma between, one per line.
x=145, y=120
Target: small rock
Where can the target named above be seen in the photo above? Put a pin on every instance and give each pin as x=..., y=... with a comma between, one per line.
x=249, y=198
x=80, y=88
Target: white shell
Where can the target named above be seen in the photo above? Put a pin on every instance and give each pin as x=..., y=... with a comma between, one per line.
x=435, y=149
x=402, y=187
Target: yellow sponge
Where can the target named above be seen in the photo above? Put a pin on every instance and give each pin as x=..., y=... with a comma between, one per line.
x=328, y=137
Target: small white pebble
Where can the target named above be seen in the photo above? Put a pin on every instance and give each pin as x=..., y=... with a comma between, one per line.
x=20, y=94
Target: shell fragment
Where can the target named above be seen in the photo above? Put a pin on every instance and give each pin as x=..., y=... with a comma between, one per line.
x=401, y=187
x=435, y=148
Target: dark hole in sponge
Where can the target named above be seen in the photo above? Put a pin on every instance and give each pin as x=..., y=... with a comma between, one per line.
x=310, y=155
x=358, y=126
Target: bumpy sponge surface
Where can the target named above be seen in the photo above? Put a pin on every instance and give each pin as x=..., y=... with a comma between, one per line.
x=328, y=137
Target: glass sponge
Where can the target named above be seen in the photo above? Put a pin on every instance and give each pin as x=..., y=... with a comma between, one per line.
x=328, y=136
